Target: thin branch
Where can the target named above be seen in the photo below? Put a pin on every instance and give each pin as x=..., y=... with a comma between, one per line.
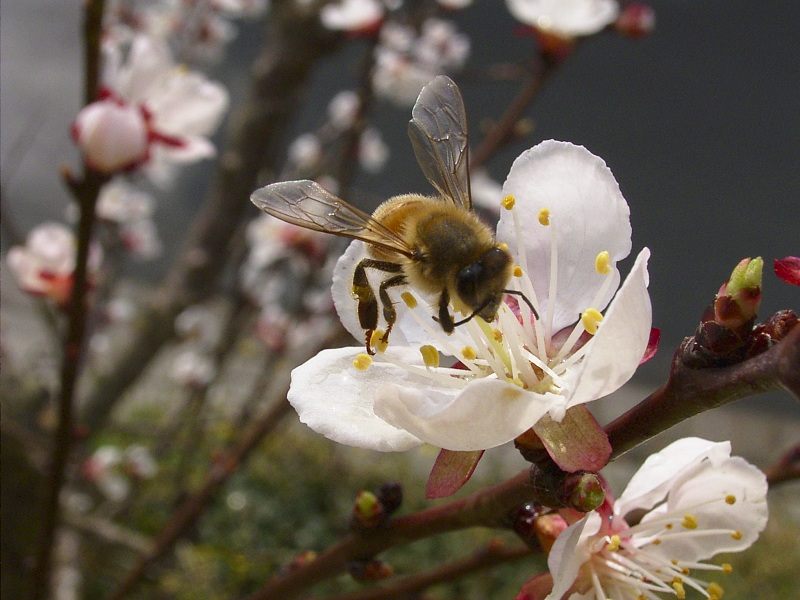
x=503, y=130
x=108, y=531
x=688, y=392
x=787, y=467
x=493, y=554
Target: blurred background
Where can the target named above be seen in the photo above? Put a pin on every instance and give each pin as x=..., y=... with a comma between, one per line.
x=698, y=121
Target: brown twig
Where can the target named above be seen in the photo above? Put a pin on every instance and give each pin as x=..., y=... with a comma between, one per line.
x=503, y=130
x=787, y=467
x=85, y=192
x=687, y=392
x=493, y=554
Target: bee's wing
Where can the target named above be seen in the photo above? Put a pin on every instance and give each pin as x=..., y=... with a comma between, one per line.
x=438, y=132
x=307, y=204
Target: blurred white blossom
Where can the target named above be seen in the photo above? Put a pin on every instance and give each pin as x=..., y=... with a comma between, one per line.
x=150, y=110
x=305, y=151
x=343, y=108
x=372, y=151
x=121, y=202
x=565, y=18
x=352, y=15
x=193, y=369
x=44, y=266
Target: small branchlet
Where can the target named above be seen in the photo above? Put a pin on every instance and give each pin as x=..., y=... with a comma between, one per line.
x=581, y=491
x=298, y=562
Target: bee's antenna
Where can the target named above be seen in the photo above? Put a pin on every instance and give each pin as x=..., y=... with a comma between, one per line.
x=525, y=298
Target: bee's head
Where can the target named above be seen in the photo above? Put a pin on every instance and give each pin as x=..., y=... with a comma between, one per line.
x=480, y=284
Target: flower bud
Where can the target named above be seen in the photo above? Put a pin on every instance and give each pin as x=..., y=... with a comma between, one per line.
x=112, y=136
x=369, y=570
x=390, y=495
x=368, y=512
x=738, y=300
x=637, y=20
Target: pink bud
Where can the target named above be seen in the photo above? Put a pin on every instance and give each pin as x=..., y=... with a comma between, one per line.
x=111, y=135
x=637, y=20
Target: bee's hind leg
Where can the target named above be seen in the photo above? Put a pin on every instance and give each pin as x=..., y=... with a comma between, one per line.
x=367, y=303
x=445, y=318
x=389, y=312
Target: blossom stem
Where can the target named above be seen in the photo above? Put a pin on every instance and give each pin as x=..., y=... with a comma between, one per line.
x=787, y=468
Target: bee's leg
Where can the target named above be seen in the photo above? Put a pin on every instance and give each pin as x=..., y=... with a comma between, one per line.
x=367, y=303
x=389, y=313
x=445, y=319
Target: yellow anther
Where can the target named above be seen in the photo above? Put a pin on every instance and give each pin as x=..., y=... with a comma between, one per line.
x=497, y=335
x=517, y=271
x=689, y=522
x=641, y=597
x=409, y=299
x=674, y=562
x=727, y=568
x=469, y=353
x=430, y=355
x=715, y=591
x=613, y=543
x=508, y=202
x=376, y=340
x=544, y=217
x=685, y=570
x=590, y=319
x=680, y=592
x=669, y=525
x=362, y=361
x=730, y=499
x=656, y=542
x=737, y=535
x=503, y=246
x=602, y=263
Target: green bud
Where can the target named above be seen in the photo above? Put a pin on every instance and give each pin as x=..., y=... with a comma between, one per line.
x=745, y=276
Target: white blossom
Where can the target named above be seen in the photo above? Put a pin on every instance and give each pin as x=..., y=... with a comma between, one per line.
x=121, y=202
x=193, y=369
x=342, y=109
x=44, y=266
x=565, y=18
x=372, y=151
x=305, y=151
x=352, y=15
x=566, y=225
x=150, y=110
x=699, y=502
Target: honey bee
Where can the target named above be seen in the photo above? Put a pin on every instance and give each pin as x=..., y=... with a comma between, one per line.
x=435, y=244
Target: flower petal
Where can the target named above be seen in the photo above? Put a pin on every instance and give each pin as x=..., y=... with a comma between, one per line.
x=621, y=340
x=650, y=484
x=569, y=552
x=407, y=331
x=567, y=18
x=485, y=414
x=336, y=400
x=588, y=215
x=727, y=526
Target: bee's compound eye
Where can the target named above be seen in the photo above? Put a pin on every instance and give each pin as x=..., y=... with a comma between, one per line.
x=468, y=283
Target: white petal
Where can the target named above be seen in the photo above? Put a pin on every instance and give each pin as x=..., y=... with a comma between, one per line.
x=148, y=60
x=652, y=481
x=569, y=552
x=406, y=330
x=567, y=18
x=111, y=137
x=701, y=492
x=621, y=339
x=485, y=414
x=194, y=148
x=588, y=215
x=336, y=400
x=186, y=103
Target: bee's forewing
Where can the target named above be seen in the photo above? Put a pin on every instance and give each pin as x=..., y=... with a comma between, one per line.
x=438, y=132
x=308, y=204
